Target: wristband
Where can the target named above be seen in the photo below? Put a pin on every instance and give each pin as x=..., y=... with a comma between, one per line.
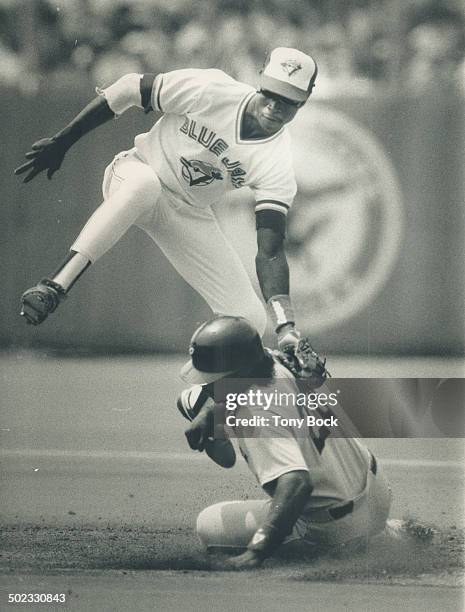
x=282, y=312
x=265, y=540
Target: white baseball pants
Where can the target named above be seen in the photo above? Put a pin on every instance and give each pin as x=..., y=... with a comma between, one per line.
x=190, y=237
x=233, y=524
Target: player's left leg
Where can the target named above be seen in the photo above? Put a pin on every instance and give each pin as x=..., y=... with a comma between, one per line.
x=195, y=245
x=131, y=190
x=231, y=524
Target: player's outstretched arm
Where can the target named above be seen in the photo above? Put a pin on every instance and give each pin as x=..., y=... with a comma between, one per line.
x=48, y=154
x=291, y=492
x=273, y=275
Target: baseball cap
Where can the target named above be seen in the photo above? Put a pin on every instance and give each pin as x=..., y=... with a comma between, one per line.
x=221, y=346
x=289, y=73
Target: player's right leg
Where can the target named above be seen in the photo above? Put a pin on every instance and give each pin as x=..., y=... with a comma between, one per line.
x=194, y=243
x=131, y=190
x=231, y=524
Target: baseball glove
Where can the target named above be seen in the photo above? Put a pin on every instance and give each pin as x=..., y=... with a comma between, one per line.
x=304, y=362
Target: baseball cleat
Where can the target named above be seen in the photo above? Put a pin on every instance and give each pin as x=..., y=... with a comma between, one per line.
x=396, y=529
x=39, y=301
x=409, y=529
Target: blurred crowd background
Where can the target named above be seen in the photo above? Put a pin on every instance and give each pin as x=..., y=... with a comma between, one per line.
x=360, y=44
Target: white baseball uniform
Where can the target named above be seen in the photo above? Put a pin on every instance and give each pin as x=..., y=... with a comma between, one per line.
x=191, y=159
x=350, y=498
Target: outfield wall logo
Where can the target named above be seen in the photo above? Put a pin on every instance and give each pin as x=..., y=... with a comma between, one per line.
x=345, y=228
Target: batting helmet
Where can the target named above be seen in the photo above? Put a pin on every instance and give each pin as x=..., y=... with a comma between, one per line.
x=220, y=347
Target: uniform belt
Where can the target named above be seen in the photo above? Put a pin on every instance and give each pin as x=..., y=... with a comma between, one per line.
x=339, y=512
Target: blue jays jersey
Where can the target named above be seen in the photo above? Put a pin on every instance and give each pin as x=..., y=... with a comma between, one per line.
x=196, y=147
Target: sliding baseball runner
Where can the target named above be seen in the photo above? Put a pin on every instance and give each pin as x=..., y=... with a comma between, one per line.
x=324, y=486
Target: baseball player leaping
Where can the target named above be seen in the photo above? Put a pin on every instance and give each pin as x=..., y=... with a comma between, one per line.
x=215, y=135
x=324, y=489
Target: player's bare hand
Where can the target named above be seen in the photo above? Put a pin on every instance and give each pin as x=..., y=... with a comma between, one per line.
x=288, y=338
x=200, y=430
x=46, y=154
x=246, y=561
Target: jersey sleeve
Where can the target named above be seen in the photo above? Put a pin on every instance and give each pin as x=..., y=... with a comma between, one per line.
x=178, y=91
x=124, y=93
x=276, y=188
x=270, y=457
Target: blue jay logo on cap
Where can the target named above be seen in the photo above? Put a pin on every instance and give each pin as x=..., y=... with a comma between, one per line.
x=291, y=66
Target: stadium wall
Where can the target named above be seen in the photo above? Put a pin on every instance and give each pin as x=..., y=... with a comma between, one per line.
x=133, y=299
